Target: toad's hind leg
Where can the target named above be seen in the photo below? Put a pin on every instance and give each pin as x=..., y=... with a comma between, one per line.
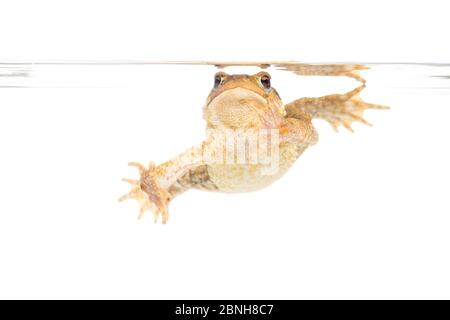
x=337, y=109
x=195, y=178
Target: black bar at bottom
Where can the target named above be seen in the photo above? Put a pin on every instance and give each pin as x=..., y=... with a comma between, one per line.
x=219, y=309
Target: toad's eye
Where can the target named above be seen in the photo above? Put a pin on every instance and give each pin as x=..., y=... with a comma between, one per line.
x=218, y=79
x=265, y=81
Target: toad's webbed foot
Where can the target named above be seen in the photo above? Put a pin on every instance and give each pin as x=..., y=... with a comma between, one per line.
x=148, y=193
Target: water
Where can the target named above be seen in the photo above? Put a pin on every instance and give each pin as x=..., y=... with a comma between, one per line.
x=374, y=203
x=68, y=130
x=121, y=74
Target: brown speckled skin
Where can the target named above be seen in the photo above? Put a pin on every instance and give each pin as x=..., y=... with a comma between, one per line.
x=241, y=102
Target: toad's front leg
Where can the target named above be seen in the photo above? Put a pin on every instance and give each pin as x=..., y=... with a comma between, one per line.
x=337, y=109
x=153, y=189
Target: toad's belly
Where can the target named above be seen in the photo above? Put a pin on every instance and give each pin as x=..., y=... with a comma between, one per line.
x=252, y=177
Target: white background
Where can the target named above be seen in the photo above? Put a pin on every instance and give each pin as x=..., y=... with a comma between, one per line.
x=361, y=215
